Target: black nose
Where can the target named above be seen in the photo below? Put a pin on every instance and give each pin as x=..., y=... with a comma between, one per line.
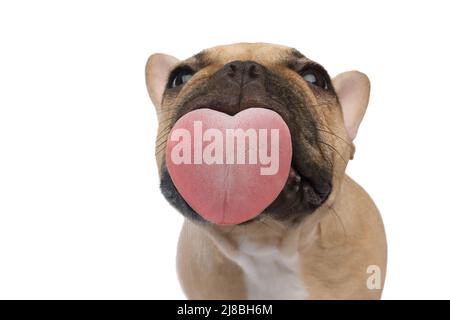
x=243, y=72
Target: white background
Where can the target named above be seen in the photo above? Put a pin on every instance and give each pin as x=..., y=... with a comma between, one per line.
x=81, y=215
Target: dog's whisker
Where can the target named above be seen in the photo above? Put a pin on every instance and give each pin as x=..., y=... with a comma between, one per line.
x=332, y=148
x=166, y=110
x=159, y=151
x=335, y=214
x=164, y=128
x=167, y=120
x=332, y=133
x=161, y=146
x=168, y=125
x=163, y=134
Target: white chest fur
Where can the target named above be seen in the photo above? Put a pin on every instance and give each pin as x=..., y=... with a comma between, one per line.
x=268, y=273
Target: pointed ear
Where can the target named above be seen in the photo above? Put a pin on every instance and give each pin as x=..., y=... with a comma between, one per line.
x=353, y=90
x=157, y=72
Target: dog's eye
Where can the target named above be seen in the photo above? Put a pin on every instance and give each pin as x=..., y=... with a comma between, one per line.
x=180, y=76
x=315, y=77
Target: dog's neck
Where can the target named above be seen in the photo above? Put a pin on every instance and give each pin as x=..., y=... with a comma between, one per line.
x=268, y=254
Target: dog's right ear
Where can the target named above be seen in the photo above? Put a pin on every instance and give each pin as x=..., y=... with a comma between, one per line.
x=157, y=72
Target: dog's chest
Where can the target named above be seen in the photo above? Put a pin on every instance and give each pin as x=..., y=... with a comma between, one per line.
x=269, y=274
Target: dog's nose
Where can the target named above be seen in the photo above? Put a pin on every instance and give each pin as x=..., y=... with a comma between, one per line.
x=243, y=72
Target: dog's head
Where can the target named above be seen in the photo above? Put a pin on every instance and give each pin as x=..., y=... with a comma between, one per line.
x=323, y=114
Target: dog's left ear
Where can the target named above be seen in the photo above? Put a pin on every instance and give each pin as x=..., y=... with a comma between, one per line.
x=157, y=72
x=353, y=90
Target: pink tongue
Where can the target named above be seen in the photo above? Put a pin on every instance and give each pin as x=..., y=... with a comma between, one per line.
x=230, y=192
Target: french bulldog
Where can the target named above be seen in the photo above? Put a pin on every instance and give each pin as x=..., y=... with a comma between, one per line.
x=322, y=237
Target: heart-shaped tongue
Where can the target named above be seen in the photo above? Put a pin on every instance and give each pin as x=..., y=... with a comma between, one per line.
x=229, y=168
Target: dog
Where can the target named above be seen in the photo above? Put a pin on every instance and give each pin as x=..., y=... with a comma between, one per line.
x=322, y=237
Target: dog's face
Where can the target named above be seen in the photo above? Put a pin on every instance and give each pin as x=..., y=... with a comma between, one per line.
x=323, y=114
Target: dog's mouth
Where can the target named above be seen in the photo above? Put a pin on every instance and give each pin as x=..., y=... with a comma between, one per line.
x=307, y=187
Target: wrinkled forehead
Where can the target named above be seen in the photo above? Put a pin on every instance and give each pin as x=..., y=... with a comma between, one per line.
x=263, y=53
